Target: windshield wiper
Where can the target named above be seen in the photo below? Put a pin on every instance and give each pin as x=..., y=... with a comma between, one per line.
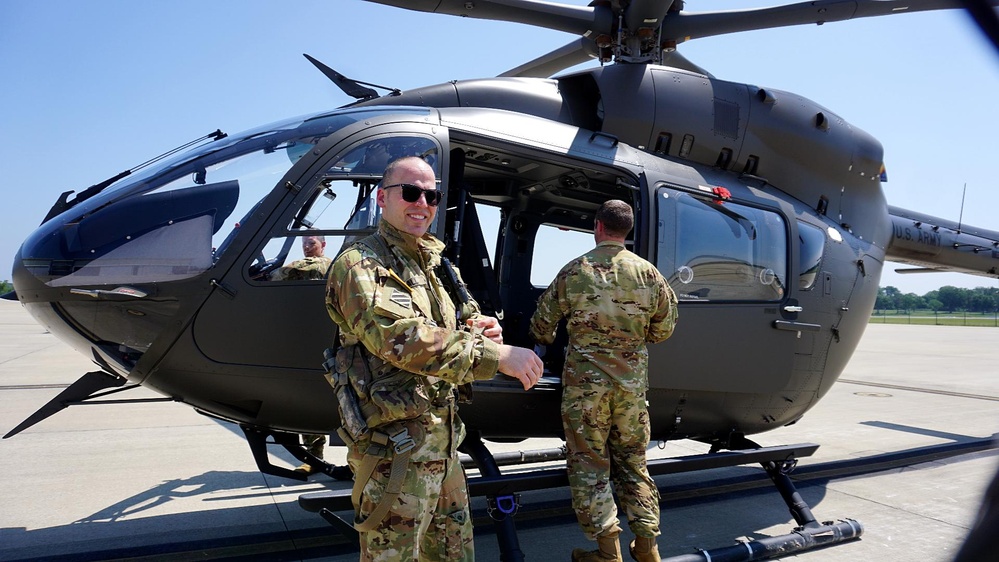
x=62, y=204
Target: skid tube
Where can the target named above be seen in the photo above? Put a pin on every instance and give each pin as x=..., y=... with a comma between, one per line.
x=502, y=493
x=809, y=535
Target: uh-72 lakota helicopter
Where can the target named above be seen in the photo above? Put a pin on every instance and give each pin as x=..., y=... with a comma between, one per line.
x=763, y=209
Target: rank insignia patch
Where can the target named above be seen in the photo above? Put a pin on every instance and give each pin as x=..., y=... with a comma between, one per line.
x=400, y=298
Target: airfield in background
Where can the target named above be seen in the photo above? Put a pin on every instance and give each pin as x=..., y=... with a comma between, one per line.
x=158, y=481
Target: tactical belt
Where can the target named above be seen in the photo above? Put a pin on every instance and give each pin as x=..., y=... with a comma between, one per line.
x=400, y=445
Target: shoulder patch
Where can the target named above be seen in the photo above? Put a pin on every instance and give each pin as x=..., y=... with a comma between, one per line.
x=401, y=298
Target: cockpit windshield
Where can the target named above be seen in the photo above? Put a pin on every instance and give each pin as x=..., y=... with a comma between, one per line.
x=171, y=220
x=291, y=138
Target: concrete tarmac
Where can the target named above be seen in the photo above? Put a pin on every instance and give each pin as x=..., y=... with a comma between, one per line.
x=157, y=481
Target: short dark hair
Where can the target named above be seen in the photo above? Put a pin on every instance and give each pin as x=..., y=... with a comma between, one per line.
x=616, y=216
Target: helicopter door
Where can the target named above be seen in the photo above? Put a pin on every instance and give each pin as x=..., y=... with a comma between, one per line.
x=276, y=294
x=728, y=264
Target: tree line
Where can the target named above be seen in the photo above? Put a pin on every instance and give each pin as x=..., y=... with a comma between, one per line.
x=5, y=287
x=944, y=299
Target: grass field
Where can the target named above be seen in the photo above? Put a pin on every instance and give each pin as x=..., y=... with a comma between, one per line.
x=928, y=318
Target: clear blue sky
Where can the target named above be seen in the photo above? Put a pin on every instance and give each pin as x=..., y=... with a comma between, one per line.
x=93, y=88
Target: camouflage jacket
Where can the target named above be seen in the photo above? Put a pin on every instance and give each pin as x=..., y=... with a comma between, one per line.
x=314, y=267
x=416, y=349
x=614, y=303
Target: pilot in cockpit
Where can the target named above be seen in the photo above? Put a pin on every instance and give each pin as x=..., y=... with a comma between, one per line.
x=312, y=266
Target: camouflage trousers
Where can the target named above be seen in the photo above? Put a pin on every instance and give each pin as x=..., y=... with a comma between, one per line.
x=607, y=431
x=429, y=521
x=315, y=443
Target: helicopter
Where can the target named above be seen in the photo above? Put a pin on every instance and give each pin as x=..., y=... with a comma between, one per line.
x=764, y=210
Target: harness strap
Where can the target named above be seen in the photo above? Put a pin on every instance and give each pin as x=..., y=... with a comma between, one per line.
x=401, y=447
x=389, y=259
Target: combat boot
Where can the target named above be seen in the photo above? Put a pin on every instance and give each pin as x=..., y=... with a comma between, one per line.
x=644, y=549
x=608, y=548
x=316, y=445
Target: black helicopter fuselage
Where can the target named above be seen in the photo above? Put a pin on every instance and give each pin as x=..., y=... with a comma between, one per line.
x=762, y=208
x=769, y=357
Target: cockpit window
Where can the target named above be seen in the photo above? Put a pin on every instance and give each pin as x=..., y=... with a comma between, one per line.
x=304, y=259
x=712, y=250
x=340, y=207
x=370, y=158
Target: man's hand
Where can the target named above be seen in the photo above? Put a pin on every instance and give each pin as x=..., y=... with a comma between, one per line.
x=522, y=364
x=490, y=327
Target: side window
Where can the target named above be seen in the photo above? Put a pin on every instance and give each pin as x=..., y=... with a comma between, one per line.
x=812, y=242
x=340, y=208
x=721, y=251
x=339, y=204
x=554, y=248
x=489, y=223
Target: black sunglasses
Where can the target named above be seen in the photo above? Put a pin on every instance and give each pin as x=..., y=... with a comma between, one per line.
x=411, y=193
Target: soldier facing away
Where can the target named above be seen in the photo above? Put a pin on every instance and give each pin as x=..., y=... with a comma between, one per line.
x=614, y=303
x=405, y=346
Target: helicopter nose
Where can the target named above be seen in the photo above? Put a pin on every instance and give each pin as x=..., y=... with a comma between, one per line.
x=111, y=281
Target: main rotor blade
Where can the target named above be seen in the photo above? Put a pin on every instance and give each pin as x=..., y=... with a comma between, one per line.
x=646, y=13
x=578, y=20
x=676, y=60
x=684, y=26
x=579, y=51
x=986, y=17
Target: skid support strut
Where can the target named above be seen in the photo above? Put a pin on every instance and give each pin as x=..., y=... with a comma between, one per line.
x=809, y=535
x=501, y=507
x=778, y=472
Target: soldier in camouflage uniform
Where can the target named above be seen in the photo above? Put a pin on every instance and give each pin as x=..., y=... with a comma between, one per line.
x=614, y=302
x=313, y=266
x=404, y=349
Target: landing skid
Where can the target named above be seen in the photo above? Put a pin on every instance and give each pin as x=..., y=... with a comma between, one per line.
x=502, y=494
x=810, y=534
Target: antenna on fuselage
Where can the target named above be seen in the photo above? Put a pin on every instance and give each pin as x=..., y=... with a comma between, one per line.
x=960, y=216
